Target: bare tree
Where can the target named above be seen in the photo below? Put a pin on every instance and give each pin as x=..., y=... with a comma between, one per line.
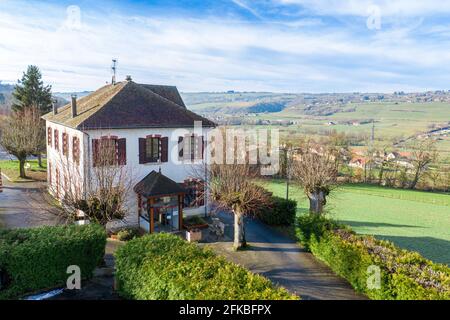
x=231, y=187
x=99, y=191
x=316, y=170
x=423, y=155
x=21, y=133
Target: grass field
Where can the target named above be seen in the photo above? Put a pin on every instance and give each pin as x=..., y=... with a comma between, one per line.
x=418, y=221
x=11, y=169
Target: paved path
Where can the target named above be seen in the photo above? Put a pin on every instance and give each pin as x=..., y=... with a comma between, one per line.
x=284, y=262
x=101, y=286
x=24, y=205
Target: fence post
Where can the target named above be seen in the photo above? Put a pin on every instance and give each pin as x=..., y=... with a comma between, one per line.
x=1, y=181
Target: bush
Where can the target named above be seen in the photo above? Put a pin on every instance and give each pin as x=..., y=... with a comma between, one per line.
x=193, y=221
x=36, y=259
x=281, y=213
x=165, y=267
x=127, y=234
x=404, y=275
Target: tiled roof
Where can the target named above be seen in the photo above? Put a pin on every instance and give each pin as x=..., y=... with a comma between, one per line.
x=156, y=184
x=129, y=105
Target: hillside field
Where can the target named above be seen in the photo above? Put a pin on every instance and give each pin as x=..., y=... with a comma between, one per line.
x=414, y=220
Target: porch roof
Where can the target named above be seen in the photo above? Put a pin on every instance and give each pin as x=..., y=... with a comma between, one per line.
x=156, y=184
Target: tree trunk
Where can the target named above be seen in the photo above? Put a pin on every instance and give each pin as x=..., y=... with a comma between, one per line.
x=239, y=231
x=39, y=157
x=380, y=176
x=416, y=180
x=22, y=168
x=316, y=202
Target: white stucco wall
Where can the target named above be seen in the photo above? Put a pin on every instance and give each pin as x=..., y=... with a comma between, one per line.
x=81, y=174
x=74, y=173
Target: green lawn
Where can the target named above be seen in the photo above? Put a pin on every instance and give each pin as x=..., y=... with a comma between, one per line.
x=11, y=169
x=413, y=220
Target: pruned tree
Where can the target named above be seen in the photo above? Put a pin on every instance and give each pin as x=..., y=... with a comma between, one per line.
x=103, y=199
x=423, y=155
x=231, y=188
x=20, y=134
x=316, y=170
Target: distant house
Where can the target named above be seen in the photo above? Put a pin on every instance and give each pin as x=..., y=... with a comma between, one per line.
x=402, y=158
x=358, y=162
x=144, y=124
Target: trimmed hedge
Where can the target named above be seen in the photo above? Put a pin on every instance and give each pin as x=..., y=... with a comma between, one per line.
x=281, y=213
x=165, y=267
x=36, y=259
x=405, y=275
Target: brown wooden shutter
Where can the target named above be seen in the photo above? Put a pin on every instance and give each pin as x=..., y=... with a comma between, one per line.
x=49, y=136
x=165, y=149
x=95, y=151
x=122, y=146
x=180, y=148
x=56, y=134
x=76, y=150
x=142, y=150
x=65, y=144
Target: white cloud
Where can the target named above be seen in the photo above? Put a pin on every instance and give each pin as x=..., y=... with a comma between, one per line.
x=213, y=54
x=359, y=7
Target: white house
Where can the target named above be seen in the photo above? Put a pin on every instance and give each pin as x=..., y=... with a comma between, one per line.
x=154, y=139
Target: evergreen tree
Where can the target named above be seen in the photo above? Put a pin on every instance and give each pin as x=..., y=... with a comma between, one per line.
x=31, y=92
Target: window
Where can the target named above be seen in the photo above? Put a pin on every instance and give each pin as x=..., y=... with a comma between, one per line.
x=191, y=147
x=153, y=149
x=56, y=134
x=65, y=144
x=76, y=149
x=194, y=196
x=109, y=151
x=49, y=136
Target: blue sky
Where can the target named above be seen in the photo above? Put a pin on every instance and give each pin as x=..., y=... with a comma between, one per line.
x=206, y=45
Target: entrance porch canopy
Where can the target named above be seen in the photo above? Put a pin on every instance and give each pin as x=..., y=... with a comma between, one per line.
x=154, y=187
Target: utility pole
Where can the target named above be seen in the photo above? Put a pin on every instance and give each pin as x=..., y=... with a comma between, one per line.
x=288, y=174
x=114, y=70
x=287, y=162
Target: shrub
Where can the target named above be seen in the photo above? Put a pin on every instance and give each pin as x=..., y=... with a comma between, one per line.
x=194, y=220
x=36, y=259
x=281, y=213
x=165, y=267
x=127, y=234
x=404, y=275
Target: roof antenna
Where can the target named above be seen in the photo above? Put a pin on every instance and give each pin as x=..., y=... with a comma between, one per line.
x=114, y=69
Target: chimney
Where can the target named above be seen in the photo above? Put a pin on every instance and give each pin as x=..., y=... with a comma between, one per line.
x=74, y=105
x=55, y=107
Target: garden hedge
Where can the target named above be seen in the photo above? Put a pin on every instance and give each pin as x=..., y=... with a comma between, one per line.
x=404, y=275
x=36, y=259
x=165, y=267
x=281, y=213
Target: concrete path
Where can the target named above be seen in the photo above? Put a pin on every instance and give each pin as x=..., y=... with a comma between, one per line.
x=101, y=286
x=284, y=262
x=24, y=205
